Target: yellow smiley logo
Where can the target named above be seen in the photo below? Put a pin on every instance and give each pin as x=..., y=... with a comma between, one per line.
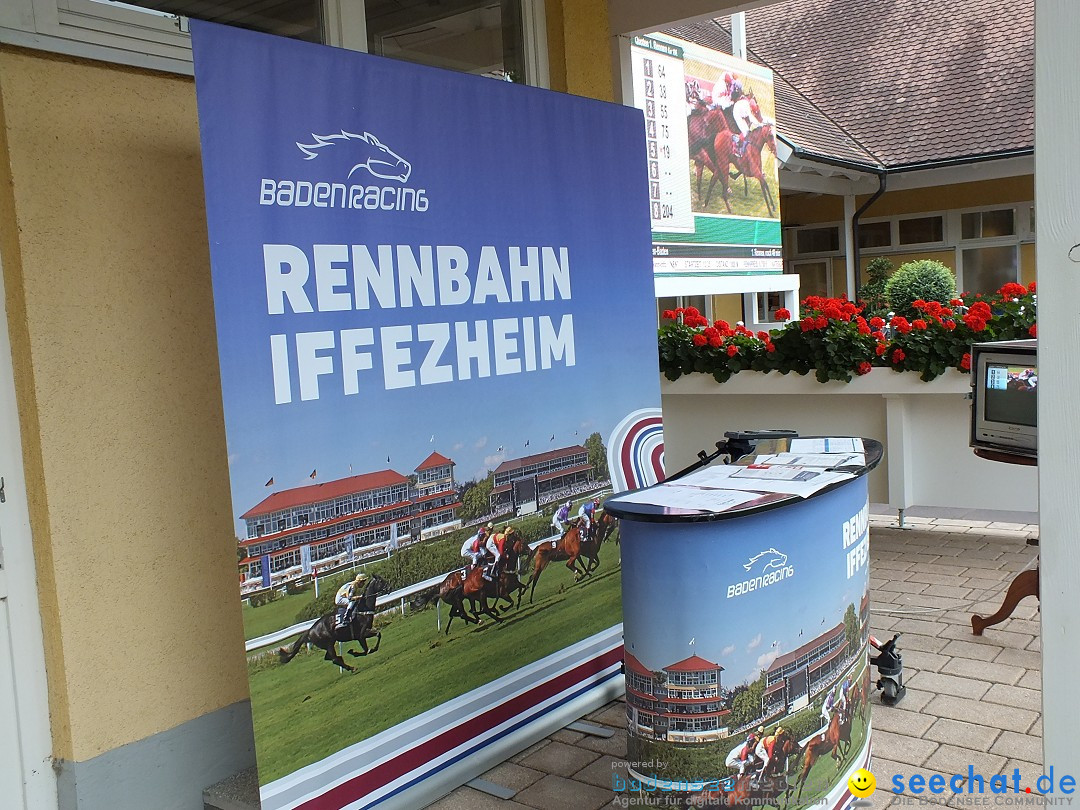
x=862, y=783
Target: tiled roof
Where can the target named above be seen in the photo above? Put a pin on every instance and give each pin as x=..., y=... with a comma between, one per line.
x=434, y=460
x=795, y=655
x=695, y=663
x=524, y=461
x=316, y=493
x=907, y=82
x=636, y=666
x=798, y=121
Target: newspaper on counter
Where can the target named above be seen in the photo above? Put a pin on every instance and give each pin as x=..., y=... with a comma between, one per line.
x=828, y=445
x=782, y=478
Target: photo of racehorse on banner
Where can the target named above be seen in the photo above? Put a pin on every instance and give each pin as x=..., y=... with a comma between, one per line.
x=731, y=132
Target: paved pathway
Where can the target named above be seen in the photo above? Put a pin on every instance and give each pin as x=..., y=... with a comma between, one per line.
x=971, y=700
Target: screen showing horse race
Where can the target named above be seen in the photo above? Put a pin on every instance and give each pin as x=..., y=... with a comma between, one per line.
x=710, y=130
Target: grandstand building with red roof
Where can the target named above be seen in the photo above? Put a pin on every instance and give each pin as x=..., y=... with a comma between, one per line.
x=331, y=524
x=795, y=677
x=683, y=702
x=533, y=477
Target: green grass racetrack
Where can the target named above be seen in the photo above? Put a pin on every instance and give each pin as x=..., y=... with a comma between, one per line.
x=306, y=710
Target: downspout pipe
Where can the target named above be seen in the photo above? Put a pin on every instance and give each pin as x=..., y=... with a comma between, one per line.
x=855, y=229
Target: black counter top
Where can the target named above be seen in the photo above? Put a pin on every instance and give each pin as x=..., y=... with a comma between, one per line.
x=651, y=513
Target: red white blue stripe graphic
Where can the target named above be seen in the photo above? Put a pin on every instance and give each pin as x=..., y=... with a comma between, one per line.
x=636, y=450
x=413, y=763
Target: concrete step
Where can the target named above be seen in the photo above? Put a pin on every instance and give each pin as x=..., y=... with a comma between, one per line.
x=239, y=792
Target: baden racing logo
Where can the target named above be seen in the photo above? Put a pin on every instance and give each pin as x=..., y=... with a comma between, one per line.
x=770, y=566
x=355, y=165
x=368, y=150
x=772, y=557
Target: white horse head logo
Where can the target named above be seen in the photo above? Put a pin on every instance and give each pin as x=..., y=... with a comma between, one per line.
x=365, y=151
x=774, y=559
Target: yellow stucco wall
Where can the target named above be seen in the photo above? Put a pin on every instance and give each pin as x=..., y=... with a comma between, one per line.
x=582, y=43
x=727, y=308
x=104, y=252
x=1027, y=263
x=806, y=209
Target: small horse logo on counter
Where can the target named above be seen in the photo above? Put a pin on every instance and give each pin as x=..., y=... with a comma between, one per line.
x=774, y=559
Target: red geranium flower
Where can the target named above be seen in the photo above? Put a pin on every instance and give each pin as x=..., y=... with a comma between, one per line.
x=949, y=325
x=879, y=349
x=770, y=348
x=956, y=302
x=877, y=322
x=965, y=362
x=700, y=340
x=898, y=356
x=832, y=312
x=783, y=315
x=1012, y=290
x=1031, y=287
x=863, y=368
x=764, y=336
x=1033, y=331
x=863, y=328
x=732, y=350
x=668, y=314
x=722, y=325
x=919, y=323
x=976, y=323
x=716, y=341
x=693, y=311
x=820, y=322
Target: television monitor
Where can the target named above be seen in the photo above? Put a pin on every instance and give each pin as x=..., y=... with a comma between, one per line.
x=1004, y=410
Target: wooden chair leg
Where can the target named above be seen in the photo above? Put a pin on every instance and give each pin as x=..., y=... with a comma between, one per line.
x=1025, y=584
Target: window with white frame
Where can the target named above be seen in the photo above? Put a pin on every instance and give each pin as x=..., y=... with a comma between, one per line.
x=672, y=302
x=988, y=253
x=986, y=242
x=502, y=38
x=815, y=277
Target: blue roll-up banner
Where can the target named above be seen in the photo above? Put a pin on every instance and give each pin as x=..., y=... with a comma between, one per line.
x=435, y=312
x=746, y=638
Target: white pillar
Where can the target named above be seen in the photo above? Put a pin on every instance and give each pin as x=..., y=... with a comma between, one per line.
x=1057, y=178
x=849, y=245
x=738, y=35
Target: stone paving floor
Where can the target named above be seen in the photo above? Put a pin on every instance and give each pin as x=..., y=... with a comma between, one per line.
x=971, y=700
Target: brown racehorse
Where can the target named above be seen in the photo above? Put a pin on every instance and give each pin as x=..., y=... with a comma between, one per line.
x=839, y=731
x=704, y=127
x=749, y=162
x=746, y=790
x=471, y=584
x=508, y=581
x=569, y=547
x=603, y=526
x=468, y=584
x=857, y=701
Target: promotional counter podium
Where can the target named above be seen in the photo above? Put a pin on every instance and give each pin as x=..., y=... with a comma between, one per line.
x=745, y=625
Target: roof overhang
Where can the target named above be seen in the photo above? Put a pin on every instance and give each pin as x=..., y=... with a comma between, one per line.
x=816, y=174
